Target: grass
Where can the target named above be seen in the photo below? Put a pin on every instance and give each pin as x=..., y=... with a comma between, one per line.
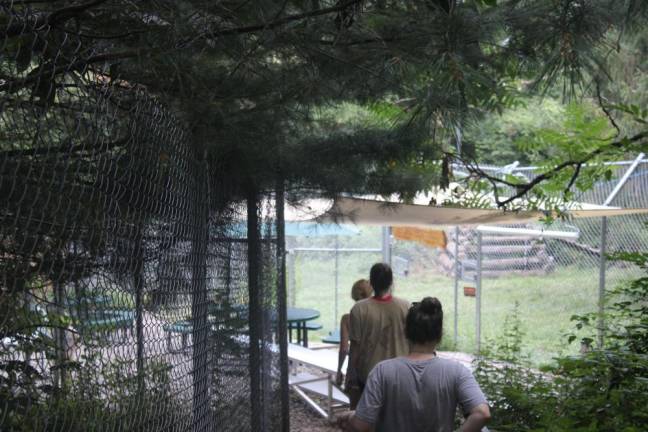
x=545, y=303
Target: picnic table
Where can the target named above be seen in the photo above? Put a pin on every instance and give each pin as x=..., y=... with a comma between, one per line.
x=98, y=314
x=297, y=318
x=319, y=380
x=185, y=329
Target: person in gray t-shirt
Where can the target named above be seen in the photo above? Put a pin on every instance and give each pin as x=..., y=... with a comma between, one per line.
x=419, y=392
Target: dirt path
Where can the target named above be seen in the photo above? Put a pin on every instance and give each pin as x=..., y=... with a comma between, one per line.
x=304, y=419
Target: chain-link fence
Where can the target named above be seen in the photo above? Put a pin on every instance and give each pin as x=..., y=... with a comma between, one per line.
x=126, y=301
x=548, y=279
x=129, y=302
x=543, y=279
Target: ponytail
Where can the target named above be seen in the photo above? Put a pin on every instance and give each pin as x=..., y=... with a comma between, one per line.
x=424, y=322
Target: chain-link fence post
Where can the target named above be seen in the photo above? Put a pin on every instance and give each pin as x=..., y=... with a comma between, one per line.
x=603, y=248
x=59, y=331
x=199, y=306
x=601, y=290
x=254, y=308
x=386, y=245
x=337, y=282
x=292, y=279
x=138, y=283
x=282, y=330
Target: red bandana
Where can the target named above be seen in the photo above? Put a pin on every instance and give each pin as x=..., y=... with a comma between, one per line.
x=383, y=299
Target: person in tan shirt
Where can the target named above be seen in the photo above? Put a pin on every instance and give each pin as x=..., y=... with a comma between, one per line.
x=377, y=325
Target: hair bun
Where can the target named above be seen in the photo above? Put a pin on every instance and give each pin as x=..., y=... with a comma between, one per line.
x=430, y=305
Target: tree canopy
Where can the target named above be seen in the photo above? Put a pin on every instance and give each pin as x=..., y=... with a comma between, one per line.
x=261, y=85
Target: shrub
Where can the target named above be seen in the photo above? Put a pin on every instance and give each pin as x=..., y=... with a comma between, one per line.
x=603, y=389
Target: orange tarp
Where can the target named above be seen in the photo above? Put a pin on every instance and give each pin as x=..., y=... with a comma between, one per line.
x=429, y=237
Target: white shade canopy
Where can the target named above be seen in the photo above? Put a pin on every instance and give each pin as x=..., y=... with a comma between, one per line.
x=376, y=212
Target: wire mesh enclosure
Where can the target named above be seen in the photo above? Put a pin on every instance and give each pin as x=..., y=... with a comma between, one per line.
x=126, y=301
x=545, y=279
x=135, y=292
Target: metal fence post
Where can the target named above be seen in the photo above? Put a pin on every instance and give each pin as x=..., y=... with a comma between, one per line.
x=138, y=282
x=386, y=245
x=60, y=336
x=291, y=258
x=337, y=281
x=479, y=292
x=603, y=249
x=199, y=309
x=254, y=308
x=456, y=287
x=601, y=290
x=282, y=305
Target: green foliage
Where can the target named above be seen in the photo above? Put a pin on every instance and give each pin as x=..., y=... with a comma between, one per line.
x=105, y=397
x=628, y=67
x=248, y=78
x=495, y=135
x=518, y=395
x=568, y=159
x=582, y=132
x=603, y=389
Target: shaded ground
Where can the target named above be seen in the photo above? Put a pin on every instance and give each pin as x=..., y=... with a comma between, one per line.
x=304, y=419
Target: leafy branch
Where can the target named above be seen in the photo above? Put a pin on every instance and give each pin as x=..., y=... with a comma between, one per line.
x=523, y=188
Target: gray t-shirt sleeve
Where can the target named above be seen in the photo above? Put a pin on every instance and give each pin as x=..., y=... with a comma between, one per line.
x=371, y=402
x=469, y=394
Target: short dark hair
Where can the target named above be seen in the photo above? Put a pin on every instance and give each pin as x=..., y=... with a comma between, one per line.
x=424, y=322
x=381, y=278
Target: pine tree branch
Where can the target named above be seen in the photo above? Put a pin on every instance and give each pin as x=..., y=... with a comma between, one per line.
x=42, y=151
x=19, y=26
x=49, y=70
x=361, y=41
x=282, y=21
x=71, y=11
x=39, y=21
x=605, y=110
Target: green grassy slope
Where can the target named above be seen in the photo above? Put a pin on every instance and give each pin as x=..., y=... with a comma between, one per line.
x=546, y=303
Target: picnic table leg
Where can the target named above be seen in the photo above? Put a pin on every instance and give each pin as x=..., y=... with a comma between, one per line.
x=330, y=397
x=289, y=333
x=305, y=335
x=299, y=333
